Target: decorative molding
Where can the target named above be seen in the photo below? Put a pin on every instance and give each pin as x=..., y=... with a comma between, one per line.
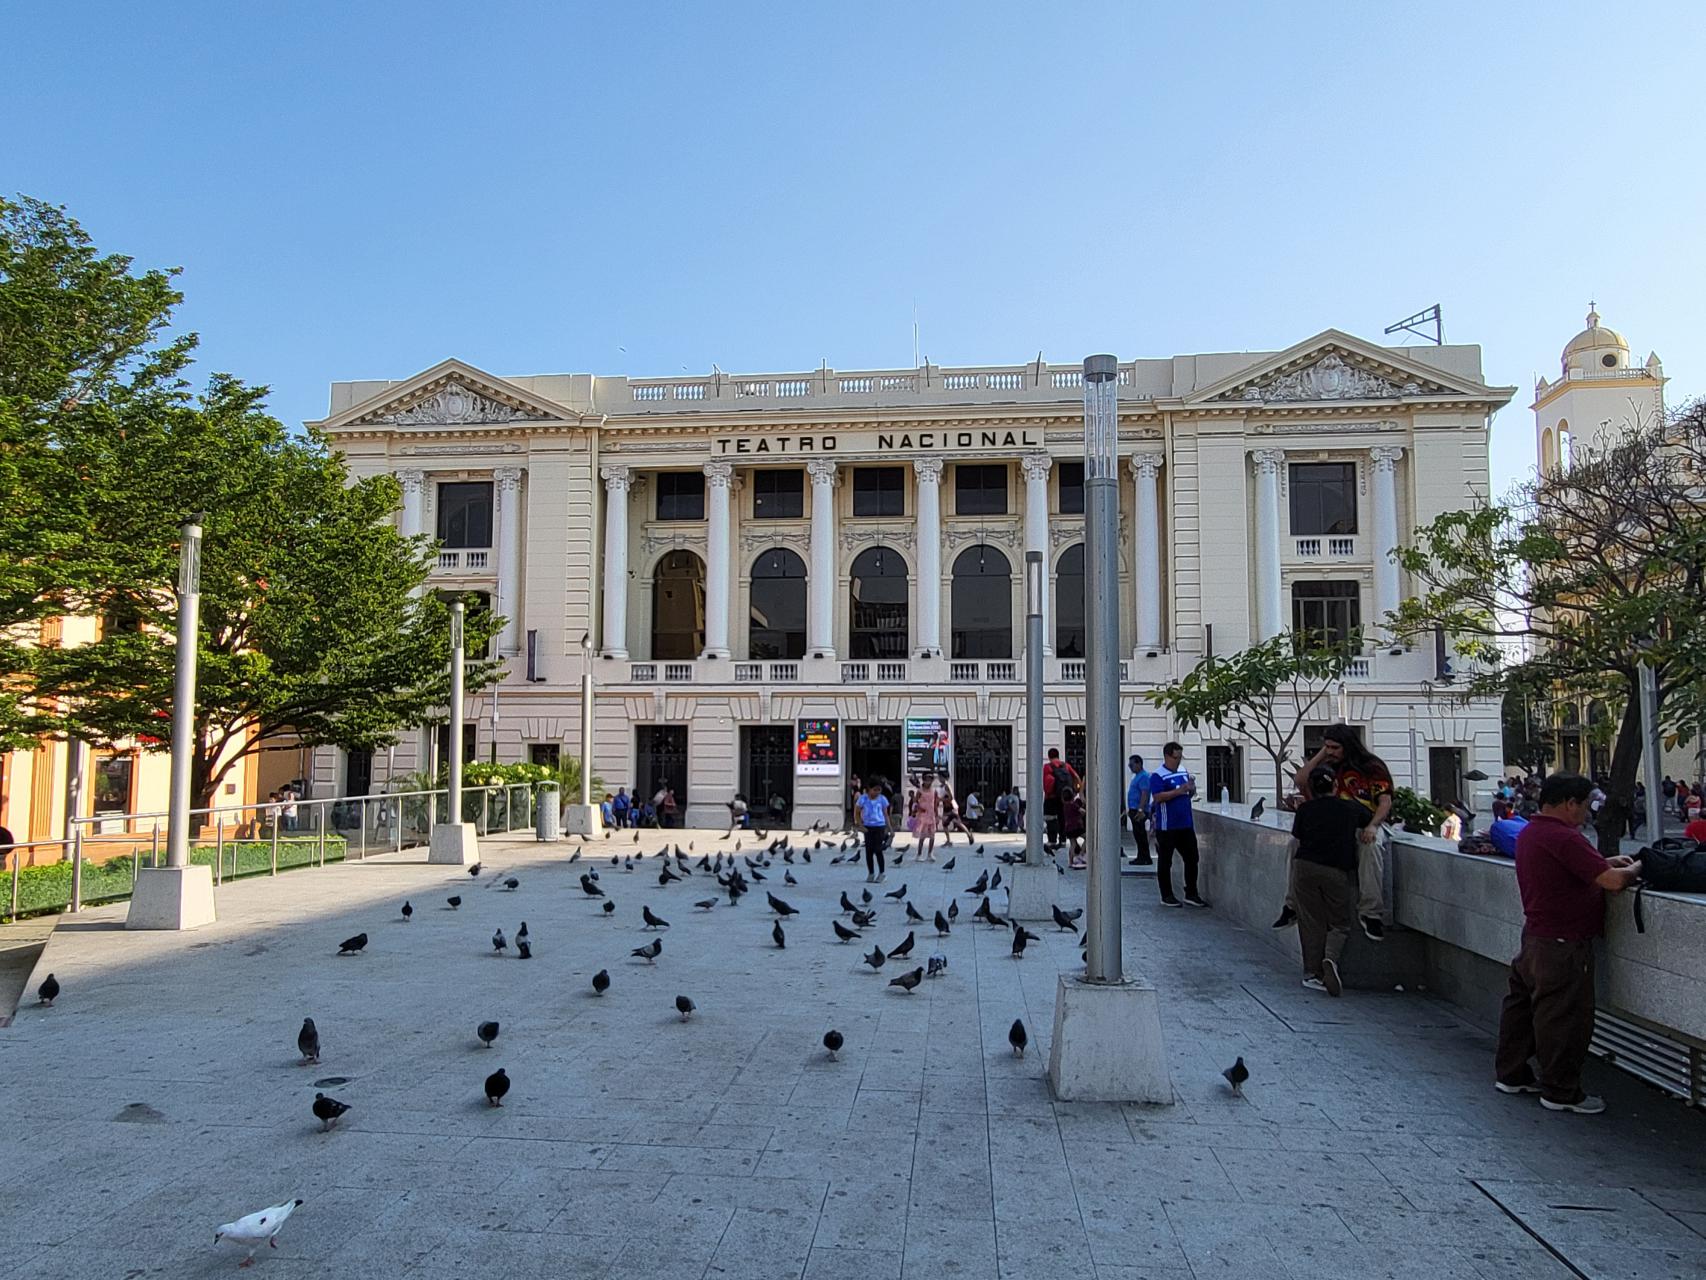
x=1060, y=533
x=458, y=450
x=761, y=539
x=652, y=542
x=960, y=537
x=1332, y=377
x=822, y=470
x=929, y=470
x=1385, y=457
x=864, y=535
x=451, y=404
x=1036, y=467
x=413, y=481
x=617, y=479
x=719, y=473
x=508, y=479
x=1268, y=461
x=1320, y=428
x=1146, y=465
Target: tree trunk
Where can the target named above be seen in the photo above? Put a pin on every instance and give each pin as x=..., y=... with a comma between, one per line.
x=1613, y=818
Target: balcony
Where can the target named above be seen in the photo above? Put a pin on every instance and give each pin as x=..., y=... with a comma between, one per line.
x=993, y=671
x=1326, y=547
x=885, y=672
x=1072, y=671
x=464, y=560
x=767, y=673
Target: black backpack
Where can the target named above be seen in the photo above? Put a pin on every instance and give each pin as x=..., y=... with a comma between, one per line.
x=1670, y=865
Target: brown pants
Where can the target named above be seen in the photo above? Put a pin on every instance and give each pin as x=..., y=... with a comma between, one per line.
x=1548, y=1016
x=1326, y=901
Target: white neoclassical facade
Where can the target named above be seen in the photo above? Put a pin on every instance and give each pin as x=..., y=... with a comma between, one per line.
x=791, y=579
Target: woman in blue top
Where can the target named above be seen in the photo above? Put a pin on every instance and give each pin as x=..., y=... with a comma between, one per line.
x=873, y=815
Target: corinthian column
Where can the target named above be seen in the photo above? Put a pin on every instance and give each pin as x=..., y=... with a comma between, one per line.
x=820, y=586
x=617, y=481
x=508, y=482
x=1147, y=578
x=1385, y=461
x=414, y=501
x=719, y=480
x=1269, y=615
x=1036, y=467
x=929, y=472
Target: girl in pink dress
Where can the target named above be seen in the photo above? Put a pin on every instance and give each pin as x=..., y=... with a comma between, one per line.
x=927, y=812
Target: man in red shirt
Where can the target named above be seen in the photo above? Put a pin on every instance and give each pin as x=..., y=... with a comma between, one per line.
x=1548, y=1012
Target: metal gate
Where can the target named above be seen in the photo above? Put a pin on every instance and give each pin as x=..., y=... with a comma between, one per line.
x=660, y=759
x=767, y=770
x=983, y=761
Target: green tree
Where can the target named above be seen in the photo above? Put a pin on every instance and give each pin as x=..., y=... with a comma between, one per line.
x=1575, y=579
x=1264, y=694
x=1525, y=717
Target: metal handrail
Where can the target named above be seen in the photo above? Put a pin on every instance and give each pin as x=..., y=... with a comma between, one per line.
x=15, y=853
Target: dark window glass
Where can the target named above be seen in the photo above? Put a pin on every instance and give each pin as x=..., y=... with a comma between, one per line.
x=879, y=491
x=681, y=495
x=1225, y=768
x=678, y=607
x=1325, y=615
x=777, y=628
x=1069, y=603
x=982, y=604
x=465, y=513
x=358, y=772
x=549, y=754
x=980, y=490
x=1075, y=748
x=660, y=760
x=1071, y=488
x=470, y=748
x=778, y=495
x=1323, y=498
x=767, y=769
x=879, y=621
x=113, y=778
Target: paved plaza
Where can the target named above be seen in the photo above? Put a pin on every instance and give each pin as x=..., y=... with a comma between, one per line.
x=162, y=1096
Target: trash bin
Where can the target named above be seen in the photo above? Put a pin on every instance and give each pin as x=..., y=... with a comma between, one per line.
x=549, y=818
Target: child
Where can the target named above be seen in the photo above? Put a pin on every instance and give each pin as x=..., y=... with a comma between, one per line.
x=1072, y=826
x=874, y=817
x=1324, y=878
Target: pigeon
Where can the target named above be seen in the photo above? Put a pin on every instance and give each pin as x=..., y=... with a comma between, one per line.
x=864, y=919
x=407, y=911
x=521, y=933
x=499, y=942
x=497, y=1084
x=652, y=921
x=664, y=877
x=843, y=932
x=601, y=982
x=308, y=1041
x=1073, y=914
x=897, y=894
x=576, y=857
x=1236, y=1075
x=876, y=958
x=705, y=904
x=327, y=1110
x=983, y=911
x=759, y=875
x=348, y=947
x=1017, y=1038
x=650, y=951
x=512, y=884
x=865, y=896
x=685, y=1007
x=996, y=883
x=912, y=914
x=847, y=903
x=905, y=948
x=609, y=908
x=1256, y=809
x=942, y=929
x=907, y=981
x=256, y=1227
x=627, y=863
x=954, y=910
x=1063, y=920
x=1021, y=936
x=474, y=870
x=636, y=837
x=979, y=851
x=788, y=878
x=488, y=1032
x=832, y=1041
x=981, y=887
x=949, y=864
x=48, y=992
x=608, y=834
x=938, y=965
x=523, y=950
x=776, y=934
x=779, y=907
x=589, y=888
x=455, y=901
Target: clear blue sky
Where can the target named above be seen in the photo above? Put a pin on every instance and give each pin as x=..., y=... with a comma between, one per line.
x=361, y=190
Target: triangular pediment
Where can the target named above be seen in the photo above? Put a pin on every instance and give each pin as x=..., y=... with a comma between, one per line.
x=1333, y=367
x=450, y=394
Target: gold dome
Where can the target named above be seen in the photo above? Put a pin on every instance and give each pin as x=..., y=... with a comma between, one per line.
x=1596, y=337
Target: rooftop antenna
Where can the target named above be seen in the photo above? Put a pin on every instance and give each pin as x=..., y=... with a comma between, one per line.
x=1417, y=324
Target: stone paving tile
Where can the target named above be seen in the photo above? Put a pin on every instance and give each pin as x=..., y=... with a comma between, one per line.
x=853, y=1264
x=942, y=1246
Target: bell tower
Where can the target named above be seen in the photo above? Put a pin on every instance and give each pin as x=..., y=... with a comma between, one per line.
x=1597, y=398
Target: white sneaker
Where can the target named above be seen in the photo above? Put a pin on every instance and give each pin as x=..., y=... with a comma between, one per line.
x=1314, y=983
x=1330, y=978
x=1586, y=1105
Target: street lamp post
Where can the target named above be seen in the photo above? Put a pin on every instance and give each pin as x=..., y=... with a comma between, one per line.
x=1102, y=666
x=1650, y=748
x=586, y=720
x=1034, y=706
x=458, y=713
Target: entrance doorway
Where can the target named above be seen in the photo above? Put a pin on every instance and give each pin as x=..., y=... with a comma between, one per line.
x=983, y=762
x=1445, y=775
x=767, y=772
x=660, y=760
x=873, y=751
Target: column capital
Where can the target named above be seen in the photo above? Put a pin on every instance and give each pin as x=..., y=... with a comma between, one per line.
x=412, y=479
x=508, y=478
x=719, y=473
x=824, y=471
x=1036, y=467
x=1385, y=456
x=929, y=470
x=1147, y=465
x=1269, y=461
x=617, y=479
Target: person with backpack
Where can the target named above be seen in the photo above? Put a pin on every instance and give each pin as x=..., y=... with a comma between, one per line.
x=1324, y=878
x=1362, y=776
x=1057, y=776
x=1548, y=1012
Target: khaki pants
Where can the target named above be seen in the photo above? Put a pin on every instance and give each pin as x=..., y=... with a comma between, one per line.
x=1326, y=912
x=1370, y=878
x=1548, y=1016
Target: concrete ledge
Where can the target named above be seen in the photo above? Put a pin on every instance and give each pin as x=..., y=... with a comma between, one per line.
x=455, y=844
x=1032, y=892
x=171, y=898
x=582, y=820
x=1107, y=1044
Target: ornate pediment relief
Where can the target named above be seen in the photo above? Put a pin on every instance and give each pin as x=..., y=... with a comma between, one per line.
x=1331, y=377
x=451, y=403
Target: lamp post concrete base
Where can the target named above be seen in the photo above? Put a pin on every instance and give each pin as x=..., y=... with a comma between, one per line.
x=454, y=844
x=1107, y=1044
x=171, y=898
x=1032, y=892
x=582, y=820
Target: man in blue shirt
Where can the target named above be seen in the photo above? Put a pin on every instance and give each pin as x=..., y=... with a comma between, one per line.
x=1137, y=809
x=1170, y=792
x=1507, y=826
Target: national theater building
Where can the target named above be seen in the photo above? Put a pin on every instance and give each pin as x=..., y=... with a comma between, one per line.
x=788, y=580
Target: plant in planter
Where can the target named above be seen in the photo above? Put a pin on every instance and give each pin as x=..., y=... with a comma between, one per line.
x=1415, y=812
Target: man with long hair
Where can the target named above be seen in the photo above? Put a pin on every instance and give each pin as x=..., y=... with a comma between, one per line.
x=1362, y=776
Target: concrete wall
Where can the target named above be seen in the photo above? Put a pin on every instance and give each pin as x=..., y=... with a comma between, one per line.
x=1461, y=922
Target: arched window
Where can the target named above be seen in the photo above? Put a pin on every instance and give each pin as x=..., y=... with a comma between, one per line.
x=1069, y=602
x=678, y=607
x=878, y=620
x=777, y=624
x=982, y=604
x=1548, y=452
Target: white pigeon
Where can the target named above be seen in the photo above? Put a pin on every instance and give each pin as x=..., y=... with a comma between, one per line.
x=256, y=1227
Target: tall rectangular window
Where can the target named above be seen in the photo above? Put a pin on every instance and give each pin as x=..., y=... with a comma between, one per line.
x=980, y=490
x=1225, y=768
x=548, y=754
x=1326, y=615
x=879, y=491
x=465, y=513
x=1071, y=487
x=114, y=776
x=1323, y=497
x=778, y=495
x=681, y=495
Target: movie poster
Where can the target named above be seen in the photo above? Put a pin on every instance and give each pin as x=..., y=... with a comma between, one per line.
x=927, y=746
x=817, y=751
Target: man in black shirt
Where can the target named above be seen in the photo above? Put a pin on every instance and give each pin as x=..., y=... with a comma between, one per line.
x=1324, y=876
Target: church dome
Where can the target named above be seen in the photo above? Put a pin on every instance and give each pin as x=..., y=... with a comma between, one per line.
x=1596, y=347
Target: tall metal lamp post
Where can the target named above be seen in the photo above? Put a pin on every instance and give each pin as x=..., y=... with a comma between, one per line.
x=454, y=841
x=583, y=817
x=1034, y=705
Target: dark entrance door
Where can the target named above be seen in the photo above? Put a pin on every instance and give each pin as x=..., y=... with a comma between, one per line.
x=767, y=771
x=660, y=760
x=1445, y=775
x=983, y=762
x=873, y=751
x=358, y=772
